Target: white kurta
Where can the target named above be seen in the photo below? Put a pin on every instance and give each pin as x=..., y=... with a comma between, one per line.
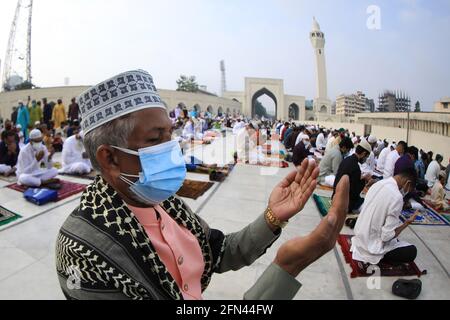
x=432, y=174
x=389, y=165
x=32, y=173
x=382, y=158
x=369, y=165
x=244, y=145
x=188, y=131
x=72, y=157
x=237, y=127
x=321, y=142
x=377, y=222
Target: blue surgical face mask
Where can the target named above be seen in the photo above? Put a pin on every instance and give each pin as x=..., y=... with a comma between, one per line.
x=163, y=173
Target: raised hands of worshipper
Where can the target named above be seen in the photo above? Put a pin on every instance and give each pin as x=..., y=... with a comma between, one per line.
x=297, y=254
x=291, y=195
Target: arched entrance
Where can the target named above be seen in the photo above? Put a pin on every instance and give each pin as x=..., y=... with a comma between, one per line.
x=220, y=111
x=323, y=109
x=264, y=103
x=210, y=110
x=294, y=112
x=197, y=108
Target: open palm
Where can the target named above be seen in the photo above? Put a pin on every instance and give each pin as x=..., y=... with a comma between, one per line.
x=291, y=195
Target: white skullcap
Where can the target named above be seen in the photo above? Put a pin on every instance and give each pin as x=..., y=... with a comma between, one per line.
x=19, y=126
x=37, y=123
x=365, y=145
x=35, y=134
x=20, y=102
x=372, y=139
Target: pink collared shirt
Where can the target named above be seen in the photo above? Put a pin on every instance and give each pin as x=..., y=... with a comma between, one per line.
x=177, y=248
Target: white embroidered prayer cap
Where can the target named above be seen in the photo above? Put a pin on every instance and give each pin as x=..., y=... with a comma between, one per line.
x=116, y=97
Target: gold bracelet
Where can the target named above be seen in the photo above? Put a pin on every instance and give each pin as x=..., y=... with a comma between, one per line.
x=273, y=220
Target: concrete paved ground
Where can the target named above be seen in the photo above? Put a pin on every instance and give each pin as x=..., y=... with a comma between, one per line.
x=27, y=269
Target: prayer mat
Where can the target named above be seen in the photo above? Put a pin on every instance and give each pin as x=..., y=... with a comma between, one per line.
x=360, y=269
x=67, y=189
x=272, y=164
x=326, y=188
x=323, y=204
x=430, y=206
x=446, y=217
x=7, y=216
x=427, y=218
x=194, y=189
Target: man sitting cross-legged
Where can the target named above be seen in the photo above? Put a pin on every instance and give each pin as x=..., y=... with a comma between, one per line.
x=74, y=156
x=34, y=167
x=379, y=225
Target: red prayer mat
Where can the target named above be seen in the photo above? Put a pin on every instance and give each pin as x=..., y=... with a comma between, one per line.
x=360, y=269
x=67, y=189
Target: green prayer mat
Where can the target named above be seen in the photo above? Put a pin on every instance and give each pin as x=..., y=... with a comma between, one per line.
x=7, y=216
x=446, y=217
x=323, y=204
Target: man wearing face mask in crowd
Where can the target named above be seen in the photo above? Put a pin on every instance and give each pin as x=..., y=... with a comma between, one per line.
x=74, y=156
x=301, y=151
x=350, y=167
x=34, y=166
x=132, y=238
x=378, y=226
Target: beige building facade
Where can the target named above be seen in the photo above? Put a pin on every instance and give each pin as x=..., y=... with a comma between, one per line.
x=442, y=105
x=287, y=106
x=350, y=105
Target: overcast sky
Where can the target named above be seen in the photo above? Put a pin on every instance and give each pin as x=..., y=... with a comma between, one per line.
x=91, y=40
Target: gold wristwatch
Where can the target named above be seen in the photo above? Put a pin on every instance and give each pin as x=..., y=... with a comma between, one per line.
x=273, y=220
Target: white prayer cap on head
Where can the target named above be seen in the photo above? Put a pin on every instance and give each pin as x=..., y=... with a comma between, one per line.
x=37, y=123
x=372, y=139
x=19, y=126
x=35, y=134
x=116, y=97
x=20, y=102
x=365, y=145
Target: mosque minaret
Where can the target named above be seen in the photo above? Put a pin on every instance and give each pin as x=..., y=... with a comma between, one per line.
x=322, y=103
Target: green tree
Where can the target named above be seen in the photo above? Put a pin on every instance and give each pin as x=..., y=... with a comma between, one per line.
x=187, y=84
x=417, y=109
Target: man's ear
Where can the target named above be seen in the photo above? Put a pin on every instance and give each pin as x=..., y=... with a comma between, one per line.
x=107, y=160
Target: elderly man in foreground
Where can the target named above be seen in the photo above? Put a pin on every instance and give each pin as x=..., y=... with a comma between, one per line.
x=132, y=238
